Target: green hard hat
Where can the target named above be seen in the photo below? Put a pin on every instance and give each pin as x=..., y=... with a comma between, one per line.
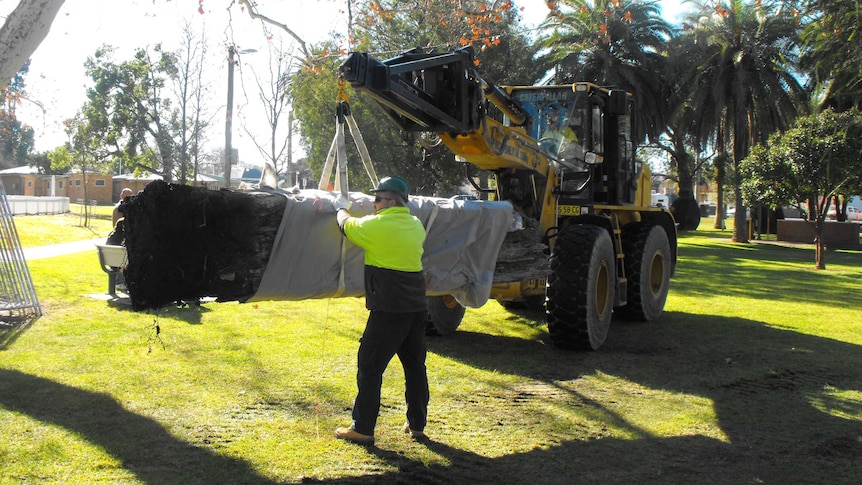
x=392, y=184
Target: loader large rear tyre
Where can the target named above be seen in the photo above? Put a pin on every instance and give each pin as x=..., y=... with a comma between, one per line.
x=444, y=315
x=581, y=288
x=648, y=268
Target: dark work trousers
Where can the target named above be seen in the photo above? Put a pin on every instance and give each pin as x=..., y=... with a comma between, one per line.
x=388, y=334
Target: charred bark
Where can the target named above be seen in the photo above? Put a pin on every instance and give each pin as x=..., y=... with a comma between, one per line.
x=184, y=243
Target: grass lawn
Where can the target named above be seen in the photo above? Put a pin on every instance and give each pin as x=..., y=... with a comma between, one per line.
x=753, y=375
x=36, y=230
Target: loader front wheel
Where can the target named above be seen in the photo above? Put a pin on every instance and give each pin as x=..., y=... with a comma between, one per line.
x=444, y=315
x=648, y=268
x=581, y=288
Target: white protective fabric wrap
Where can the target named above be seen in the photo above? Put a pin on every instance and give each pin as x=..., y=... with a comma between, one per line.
x=309, y=252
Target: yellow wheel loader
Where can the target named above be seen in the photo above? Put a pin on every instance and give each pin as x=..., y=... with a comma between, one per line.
x=564, y=157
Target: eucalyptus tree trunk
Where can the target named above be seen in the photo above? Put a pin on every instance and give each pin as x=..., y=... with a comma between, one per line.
x=740, y=221
x=23, y=31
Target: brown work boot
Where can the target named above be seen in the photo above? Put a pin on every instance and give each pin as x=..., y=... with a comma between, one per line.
x=350, y=434
x=415, y=434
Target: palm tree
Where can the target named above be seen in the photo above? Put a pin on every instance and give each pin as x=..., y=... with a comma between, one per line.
x=834, y=51
x=692, y=120
x=747, y=80
x=612, y=42
x=682, y=140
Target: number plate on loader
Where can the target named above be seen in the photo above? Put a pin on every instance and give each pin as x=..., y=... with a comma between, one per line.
x=569, y=210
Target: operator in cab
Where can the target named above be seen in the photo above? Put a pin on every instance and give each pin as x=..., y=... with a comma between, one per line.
x=395, y=297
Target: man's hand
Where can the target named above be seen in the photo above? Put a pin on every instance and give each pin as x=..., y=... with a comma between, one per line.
x=341, y=202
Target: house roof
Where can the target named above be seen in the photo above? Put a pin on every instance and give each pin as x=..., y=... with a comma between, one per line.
x=22, y=170
x=202, y=177
x=28, y=170
x=131, y=176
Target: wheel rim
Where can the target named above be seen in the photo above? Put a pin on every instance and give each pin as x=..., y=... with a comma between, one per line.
x=603, y=290
x=656, y=274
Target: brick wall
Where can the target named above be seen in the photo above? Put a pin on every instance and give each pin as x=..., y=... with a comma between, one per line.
x=835, y=234
x=99, y=187
x=135, y=185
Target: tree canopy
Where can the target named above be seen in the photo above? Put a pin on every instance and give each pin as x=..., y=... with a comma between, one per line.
x=748, y=78
x=834, y=51
x=16, y=138
x=503, y=52
x=819, y=158
x=135, y=117
x=612, y=42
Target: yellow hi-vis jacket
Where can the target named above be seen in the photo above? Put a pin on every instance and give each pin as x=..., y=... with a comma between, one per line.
x=391, y=238
x=393, y=242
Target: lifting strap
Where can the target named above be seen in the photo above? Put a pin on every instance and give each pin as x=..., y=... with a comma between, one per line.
x=338, y=153
x=338, y=150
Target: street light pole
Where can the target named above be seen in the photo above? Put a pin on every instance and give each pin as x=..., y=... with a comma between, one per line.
x=231, y=52
x=228, y=149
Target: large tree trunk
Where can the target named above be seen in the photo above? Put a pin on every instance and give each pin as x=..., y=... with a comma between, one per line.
x=185, y=243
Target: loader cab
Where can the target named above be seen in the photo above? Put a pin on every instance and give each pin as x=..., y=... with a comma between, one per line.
x=586, y=132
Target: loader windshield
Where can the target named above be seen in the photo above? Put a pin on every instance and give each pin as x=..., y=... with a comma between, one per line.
x=561, y=123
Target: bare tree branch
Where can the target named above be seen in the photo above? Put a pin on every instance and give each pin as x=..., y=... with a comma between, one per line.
x=253, y=13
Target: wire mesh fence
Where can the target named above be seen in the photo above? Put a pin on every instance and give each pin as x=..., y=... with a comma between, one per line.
x=18, y=299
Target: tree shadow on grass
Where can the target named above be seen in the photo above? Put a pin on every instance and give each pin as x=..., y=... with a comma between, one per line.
x=771, y=392
x=764, y=271
x=143, y=446
x=775, y=395
x=569, y=462
x=12, y=328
